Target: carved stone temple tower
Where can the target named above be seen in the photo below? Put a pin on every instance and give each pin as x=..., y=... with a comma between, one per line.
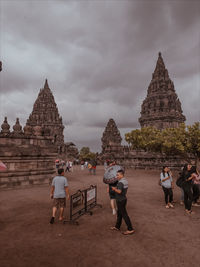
x=45, y=114
x=161, y=108
x=111, y=136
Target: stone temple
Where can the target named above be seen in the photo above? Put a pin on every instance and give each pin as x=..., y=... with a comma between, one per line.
x=45, y=114
x=161, y=108
x=111, y=136
x=30, y=152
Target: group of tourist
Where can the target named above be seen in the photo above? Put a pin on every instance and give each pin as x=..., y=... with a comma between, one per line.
x=61, y=164
x=189, y=183
x=91, y=165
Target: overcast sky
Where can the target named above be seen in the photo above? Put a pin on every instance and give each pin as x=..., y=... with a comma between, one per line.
x=98, y=57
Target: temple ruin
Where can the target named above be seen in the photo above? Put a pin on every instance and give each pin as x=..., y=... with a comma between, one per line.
x=45, y=113
x=30, y=153
x=162, y=107
x=111, y=136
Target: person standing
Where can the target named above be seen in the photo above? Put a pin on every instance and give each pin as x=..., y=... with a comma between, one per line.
x=187, y=187
x=121, y=201
x=195, y=186
x=94, y=166
x=59, y=190
x=167, y=185
x=82, y=165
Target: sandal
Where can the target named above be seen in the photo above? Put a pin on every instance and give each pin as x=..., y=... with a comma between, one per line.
x=129, y=232
x=114, y=228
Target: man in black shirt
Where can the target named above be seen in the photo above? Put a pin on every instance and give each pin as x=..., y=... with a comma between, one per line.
x=121, y=201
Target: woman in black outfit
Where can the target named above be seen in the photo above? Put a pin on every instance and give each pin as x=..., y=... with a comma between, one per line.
x=187, y=187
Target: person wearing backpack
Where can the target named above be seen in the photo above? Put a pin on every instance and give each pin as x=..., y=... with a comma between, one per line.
x=187, y=187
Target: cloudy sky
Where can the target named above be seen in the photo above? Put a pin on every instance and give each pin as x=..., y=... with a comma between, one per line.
x=98, y=57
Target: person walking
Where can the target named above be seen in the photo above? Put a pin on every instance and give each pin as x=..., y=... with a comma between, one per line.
x=67, y=166
x=59, y=190
x=121, y=201
x=112, y=196
x=167, y=185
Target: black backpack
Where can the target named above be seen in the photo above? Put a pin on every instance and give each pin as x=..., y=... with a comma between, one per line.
x=179, y=181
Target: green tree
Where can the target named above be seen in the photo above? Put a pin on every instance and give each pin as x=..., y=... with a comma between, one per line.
x=171, y=141
x=193, y=140
x=147, y=138
x=86, y=154
x=174, y=141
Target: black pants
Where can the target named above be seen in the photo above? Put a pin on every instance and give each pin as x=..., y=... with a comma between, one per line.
x=196, y=192
x=168, y=194
x=122, y=213
x=188, y=195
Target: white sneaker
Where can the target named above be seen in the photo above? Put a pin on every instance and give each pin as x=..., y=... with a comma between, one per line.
x=114, y=211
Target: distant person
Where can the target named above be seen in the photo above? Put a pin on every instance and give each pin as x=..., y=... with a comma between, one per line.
x=71, y=166
x=82, y=165
x=59, y=190
x=57, y=163
x=167, y=185
x=86, y=164
x=90, y=168
x=187, y=187
x=67, y=166
x=94, y=166
x=195, y=186
x=62, y=164
x=121, y=200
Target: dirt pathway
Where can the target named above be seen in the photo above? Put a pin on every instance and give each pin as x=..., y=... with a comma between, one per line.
x=163, y=237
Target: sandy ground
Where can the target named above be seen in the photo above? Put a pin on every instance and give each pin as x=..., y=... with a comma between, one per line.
x=163, y=237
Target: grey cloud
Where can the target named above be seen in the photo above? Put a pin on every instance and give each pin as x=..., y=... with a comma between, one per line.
x=98, y=57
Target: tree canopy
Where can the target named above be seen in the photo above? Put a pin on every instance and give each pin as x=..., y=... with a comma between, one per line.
x=86, y=154
x=171, y=141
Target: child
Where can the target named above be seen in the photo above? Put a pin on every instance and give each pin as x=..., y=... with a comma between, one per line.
x=167, y=184
x=121, y=200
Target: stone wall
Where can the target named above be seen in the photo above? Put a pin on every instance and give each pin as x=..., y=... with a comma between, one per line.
x=29, y=160
x=143, y=160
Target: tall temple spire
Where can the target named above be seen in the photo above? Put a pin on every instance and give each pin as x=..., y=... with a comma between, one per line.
x=46, y=86
x=161, y=108
x=45, y=114
x=160, y=70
